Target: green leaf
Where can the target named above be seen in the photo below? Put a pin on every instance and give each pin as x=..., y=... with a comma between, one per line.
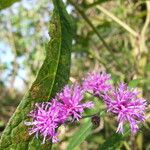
x=80, y=135
x=84, y=131
x=134, y=83
x=112, y=143
x=6, y=3
x=115, y=141
x=52, y=76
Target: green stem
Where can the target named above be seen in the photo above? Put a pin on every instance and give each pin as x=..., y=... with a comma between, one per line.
x=95, y=3
x=145, y=27
x=90, y=24
x=117, y=20
x=100, y=113
x=89, y=116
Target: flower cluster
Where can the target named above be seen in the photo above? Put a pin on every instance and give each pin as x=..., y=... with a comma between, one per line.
x=71, y=98
x=122, y=101
x=126, y=104
x=97, y=83
x=48, y=116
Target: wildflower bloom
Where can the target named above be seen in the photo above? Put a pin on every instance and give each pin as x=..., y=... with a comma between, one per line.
x=127, y=105
x=46, y=118
x=97, y=83
x=71, y=99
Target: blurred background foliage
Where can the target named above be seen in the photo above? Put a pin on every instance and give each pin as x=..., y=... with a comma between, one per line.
x=111, y=35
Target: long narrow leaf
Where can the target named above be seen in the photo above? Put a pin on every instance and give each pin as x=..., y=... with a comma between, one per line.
x=80, y=135
x=84, y=131
x=52, y=76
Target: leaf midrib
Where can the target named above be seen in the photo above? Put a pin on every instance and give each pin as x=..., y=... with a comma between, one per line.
x=58, y=56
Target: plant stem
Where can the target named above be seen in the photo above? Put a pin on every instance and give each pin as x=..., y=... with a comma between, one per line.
x=88, y=116
x=94, y=3
x=143, y=50
x=145, y=27
x=90, y=24
x=100, y=113
x=117, y=20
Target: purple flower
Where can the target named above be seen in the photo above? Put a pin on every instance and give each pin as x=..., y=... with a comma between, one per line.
x=71, y=98
x=97, y=83
x=46, y=118
x=127, y=105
